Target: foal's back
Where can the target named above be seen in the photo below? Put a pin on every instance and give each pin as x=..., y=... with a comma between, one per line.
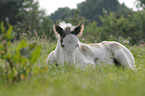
x=107, y=52
x=96, y=53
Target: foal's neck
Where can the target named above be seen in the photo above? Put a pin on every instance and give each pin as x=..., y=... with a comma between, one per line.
x=57, y=49
x=58, y=53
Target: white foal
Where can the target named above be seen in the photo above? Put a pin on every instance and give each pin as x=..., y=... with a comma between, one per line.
x=70, y=51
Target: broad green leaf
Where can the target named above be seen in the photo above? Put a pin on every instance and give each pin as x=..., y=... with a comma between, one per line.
x=9, y=33
x=21, y=45
x=1, y=48
x=2, y=27
x=28, y=50
x=35, y=54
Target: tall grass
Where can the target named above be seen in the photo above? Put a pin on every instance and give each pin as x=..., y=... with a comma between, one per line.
x=66, y=81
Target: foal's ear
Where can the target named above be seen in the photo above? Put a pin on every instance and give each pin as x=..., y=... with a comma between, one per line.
x=57, y=29
x=78, y=30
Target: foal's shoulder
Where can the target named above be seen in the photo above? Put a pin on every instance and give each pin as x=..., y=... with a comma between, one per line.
x=84, y=49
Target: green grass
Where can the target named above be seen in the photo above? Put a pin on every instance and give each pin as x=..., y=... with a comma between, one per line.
x=66, y=81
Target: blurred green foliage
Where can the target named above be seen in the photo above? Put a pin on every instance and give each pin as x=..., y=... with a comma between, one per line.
x=92, y=9
x=17, y=64
x=141, y=4
x=103, y=20
x=27, y=18
x=130, y=28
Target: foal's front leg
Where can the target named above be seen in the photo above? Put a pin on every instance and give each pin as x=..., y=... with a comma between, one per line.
x=51, y=58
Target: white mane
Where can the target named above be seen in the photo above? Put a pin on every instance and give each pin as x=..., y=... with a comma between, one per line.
x=65, y=25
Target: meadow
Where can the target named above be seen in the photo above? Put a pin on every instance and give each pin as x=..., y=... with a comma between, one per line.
x=67, y=81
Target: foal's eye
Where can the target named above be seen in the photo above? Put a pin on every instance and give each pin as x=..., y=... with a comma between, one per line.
x=62, y=45
x=77, y=45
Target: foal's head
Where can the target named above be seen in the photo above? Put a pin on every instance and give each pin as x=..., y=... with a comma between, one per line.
x=68, y=39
